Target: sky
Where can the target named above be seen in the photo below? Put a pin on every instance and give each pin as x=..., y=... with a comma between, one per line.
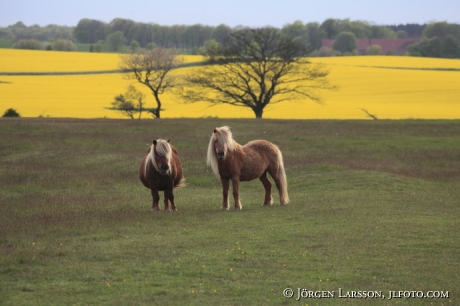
x=252, y=13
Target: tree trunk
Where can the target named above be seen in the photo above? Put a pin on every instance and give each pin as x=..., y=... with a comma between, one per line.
x=258, y=111
x=158, y=109
x=156, y=113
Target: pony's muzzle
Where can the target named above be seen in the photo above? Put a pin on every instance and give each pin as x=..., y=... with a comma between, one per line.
x=220, y=155
x=164, y=169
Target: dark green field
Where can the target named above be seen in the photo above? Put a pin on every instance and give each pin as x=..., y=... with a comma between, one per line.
x=375, y=206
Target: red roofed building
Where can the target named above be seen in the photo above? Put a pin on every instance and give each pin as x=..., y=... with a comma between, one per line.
x=396, y=46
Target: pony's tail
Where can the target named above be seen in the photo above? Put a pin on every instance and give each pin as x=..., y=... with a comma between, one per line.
x=182, y=183
x=284, y=197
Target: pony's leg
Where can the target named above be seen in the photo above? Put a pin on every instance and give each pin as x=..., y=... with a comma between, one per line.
x=166, y=200
x=171, y=199
x=275, y=175
x=268, y=189
x=225, y=187
x=156, y=199
x=236, y=194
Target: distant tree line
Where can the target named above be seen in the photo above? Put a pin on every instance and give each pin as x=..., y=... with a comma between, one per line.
x=50, y=32
x=439, y=39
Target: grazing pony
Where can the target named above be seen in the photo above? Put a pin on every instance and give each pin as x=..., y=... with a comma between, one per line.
x=161, y=170
x=232, y=161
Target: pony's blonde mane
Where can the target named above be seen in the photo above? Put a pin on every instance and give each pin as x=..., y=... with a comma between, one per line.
x=224, y=136
x=163, y=149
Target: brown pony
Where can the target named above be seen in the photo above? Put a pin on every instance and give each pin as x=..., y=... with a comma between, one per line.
x=234, y=162
x=161, y=170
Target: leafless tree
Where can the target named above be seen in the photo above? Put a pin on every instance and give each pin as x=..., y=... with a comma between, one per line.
x=254, y=68
x=152, y=68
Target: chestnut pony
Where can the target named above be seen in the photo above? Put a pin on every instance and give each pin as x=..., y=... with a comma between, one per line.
x=234, y=162
x=161, y=170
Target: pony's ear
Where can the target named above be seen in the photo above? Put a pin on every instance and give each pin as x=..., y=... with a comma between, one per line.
x=154, y=142
x=215, y=130
x=169, y=140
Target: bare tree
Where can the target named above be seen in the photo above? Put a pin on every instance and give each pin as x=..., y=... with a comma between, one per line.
x=130, y=103
x=254, y=68
x=152, y=68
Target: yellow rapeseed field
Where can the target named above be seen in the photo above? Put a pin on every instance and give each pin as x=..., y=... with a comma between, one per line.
x=389, y=87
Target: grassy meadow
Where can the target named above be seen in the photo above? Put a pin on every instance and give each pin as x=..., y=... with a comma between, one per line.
x=374, y=207
x=386, y=86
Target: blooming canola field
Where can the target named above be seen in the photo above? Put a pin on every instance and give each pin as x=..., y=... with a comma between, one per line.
x=389, y=87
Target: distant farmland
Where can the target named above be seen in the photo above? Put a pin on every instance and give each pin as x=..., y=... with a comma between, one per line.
x=388, y=87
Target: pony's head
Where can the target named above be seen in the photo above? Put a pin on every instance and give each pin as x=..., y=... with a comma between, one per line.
x=222, y=141
x=220, y=144
x=160, y=155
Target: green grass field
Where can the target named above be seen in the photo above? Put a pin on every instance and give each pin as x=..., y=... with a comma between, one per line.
x=374, y=207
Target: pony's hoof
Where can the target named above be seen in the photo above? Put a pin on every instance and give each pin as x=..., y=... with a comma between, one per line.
x=284, y=204
x=156, y=210
x=267, y=204
x=224, y=207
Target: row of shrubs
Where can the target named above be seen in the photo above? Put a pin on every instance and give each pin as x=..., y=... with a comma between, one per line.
x=371, y=50
x=57, y=45
x=68, y=45
x=434, y=47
